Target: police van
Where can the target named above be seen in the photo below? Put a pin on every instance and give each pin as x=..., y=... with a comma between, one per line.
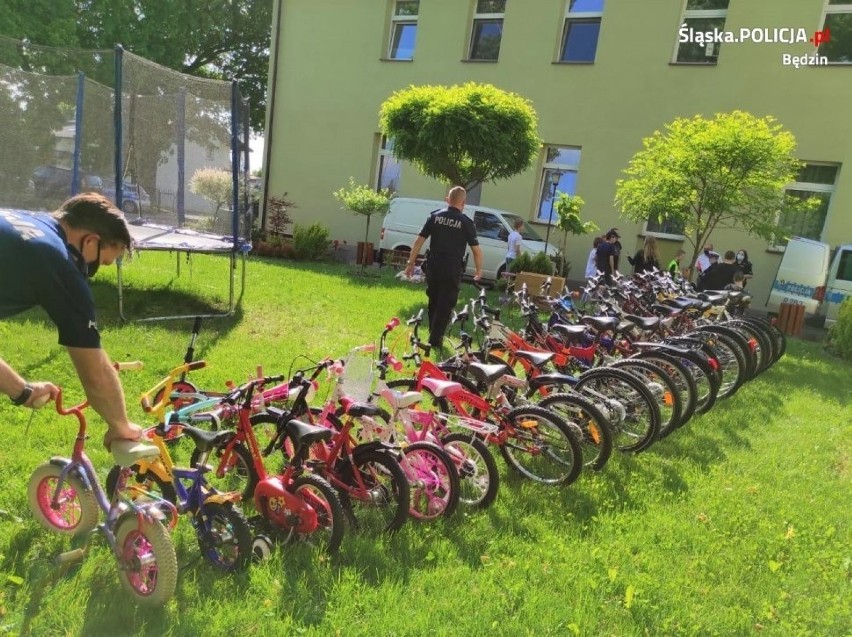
x=406, y=217
x=808, y=274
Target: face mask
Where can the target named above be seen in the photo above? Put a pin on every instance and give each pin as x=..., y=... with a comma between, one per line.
x=740, y=256
x=88, y=268
x=707, y=253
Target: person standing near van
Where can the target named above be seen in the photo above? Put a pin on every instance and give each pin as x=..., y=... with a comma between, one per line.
x=451, y=232
x=515, y=248
x=646, y=257
x=592, y=262
x=674, y=266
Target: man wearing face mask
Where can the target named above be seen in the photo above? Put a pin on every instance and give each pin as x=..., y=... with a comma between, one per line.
x=48, y=259
x=745, y=265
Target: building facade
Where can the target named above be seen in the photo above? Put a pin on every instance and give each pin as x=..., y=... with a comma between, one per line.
x=601, y=74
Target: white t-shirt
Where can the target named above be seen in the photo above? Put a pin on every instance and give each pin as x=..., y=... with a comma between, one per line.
x=514, y=248
x=702, y=262
x=592, y=264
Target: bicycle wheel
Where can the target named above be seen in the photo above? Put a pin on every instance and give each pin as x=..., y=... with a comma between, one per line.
x=146, y=482
x=147, y=566
x=732, y=363
x=323, y=498
x=542, y=447
x=629, y=406
x=479, y=478
x=76, y=511
x=375, y=492
x=589, y=424
x=741, y=342
x=682, y=378
x=774, y=336
x=233, y=470
x=762, y=348
x=662, y=386
x=433, y=481
x=224, y=536
x=706, y=380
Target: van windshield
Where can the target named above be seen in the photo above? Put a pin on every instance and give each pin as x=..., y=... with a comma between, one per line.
x=527, y=231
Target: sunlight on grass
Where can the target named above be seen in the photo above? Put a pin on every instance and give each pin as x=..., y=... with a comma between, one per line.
x=735, y=524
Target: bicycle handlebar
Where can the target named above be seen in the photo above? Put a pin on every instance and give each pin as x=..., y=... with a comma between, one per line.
x=128, y=366
x=119, y=366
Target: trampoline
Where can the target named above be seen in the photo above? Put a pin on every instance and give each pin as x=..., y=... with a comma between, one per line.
x=183, y=241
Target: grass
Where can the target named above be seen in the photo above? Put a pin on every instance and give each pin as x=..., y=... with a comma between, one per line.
x=737, y=524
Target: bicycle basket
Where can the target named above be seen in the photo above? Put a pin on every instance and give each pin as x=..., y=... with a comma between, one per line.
x=356, y=381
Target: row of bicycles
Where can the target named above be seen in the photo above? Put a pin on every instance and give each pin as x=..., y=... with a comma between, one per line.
x=368, y=441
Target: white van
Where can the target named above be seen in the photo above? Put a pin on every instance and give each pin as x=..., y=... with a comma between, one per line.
x=406, y=217
x=808, y=275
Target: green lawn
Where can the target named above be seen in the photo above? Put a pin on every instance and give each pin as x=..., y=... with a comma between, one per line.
x=737, y=524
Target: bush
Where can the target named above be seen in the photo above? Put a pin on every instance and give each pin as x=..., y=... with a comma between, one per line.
x=539, y=263
x=840, y=334
x=310, y=243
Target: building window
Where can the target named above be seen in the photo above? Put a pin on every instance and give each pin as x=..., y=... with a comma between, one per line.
x=665, y=227
x=582, y=27
x=389, y=168
x=487, y=30
x=814, y=181
x=700, y=16
x=838, y=23
x=403, y=29
x=564, y=160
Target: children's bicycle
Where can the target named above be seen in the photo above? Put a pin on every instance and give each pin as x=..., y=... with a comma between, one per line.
x=65, y=497
x=296, y=504
x=223, y=533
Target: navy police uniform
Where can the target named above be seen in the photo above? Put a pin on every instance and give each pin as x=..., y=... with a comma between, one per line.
x=451, y=232
x=40, y=268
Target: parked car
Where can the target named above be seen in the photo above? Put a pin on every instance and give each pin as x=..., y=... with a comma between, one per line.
x=134, y=198
x=56, y=181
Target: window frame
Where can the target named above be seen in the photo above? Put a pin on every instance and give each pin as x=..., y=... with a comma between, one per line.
x=811, y=187
x=398, y=21
x=688, y=13
x=578, y=17
x=384, y=151
x=662, y=235
x=484, y=17
x=834, y=9
x=544, y=180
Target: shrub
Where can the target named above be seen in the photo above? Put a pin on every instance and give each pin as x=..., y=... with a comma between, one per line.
x=840, y=334
x=310, y=243
x=539, y=263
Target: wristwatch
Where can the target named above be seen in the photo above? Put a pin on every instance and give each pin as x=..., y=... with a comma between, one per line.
x=24, y=396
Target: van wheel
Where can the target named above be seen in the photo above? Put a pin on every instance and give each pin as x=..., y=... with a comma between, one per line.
x=500, y=271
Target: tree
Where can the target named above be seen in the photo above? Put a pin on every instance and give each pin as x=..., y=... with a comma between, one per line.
x=568, y=210
x=220, y=39
x=725, y=172
x=214, y=184
x=461, y=134
x=364, y=200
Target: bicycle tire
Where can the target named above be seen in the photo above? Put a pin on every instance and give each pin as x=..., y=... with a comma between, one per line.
x=433, y=481
x=325, y=500
x=706, y=380
x=224, y=536
x=78, y=511
x=147, y=565
x=375, y=468
x=237, y=470
x=763, y=348
x=479, y=478
x=591, y=427
x=732, y=363
x=775, y=336
x=682, y=378
x=637, y=418
x=529, y=444
x=741, y=342
x=662, y=386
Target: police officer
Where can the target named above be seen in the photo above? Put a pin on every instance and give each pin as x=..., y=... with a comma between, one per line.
x=450, y=232
x=46, y=260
